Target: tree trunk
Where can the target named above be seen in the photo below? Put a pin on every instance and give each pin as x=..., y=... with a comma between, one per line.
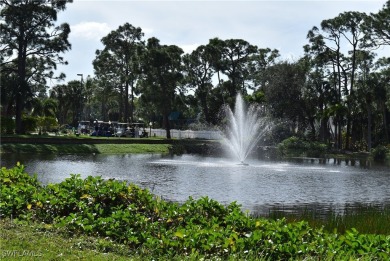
x=203, y=102
x=132, y=102
x=126, y=101
x=104, y=109
x=313, y=129
x=336, y=131
x=167, y=126
x=340, y=138
x=18, y=114
x=369, y=118
x=121, y=114
x=22, y=87
x=385, y=126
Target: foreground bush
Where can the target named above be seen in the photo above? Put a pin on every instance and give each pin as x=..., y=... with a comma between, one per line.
x=150, y=226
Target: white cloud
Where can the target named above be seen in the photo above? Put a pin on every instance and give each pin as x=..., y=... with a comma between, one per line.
x=188, y=48
x=90, y=30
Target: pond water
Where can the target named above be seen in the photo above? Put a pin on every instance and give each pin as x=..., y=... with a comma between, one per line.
x=262, y=185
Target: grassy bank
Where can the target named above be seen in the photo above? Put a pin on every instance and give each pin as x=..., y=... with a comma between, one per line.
x=73, y=144
x=34, y=241
x=85, y=148
x=125, y=220
x=103, y=145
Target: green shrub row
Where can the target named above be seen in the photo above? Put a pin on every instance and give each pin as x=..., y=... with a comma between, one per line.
x=29, y=123
x=149, y=225
x=295, y=146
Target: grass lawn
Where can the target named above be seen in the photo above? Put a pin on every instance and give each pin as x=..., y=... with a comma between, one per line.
x=40, y=242
x=84, y=148
x=33, y=241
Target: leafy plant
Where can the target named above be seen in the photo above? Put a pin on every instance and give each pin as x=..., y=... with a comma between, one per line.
x=295, y=146
x=380, y=152
x=7, y=125
x=30, y=123
x=127, y=214
x=18, y=190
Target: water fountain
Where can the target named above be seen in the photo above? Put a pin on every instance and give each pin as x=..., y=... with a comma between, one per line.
x=245, y=128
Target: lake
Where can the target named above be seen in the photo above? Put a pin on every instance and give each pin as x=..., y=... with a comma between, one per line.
x=262, y=185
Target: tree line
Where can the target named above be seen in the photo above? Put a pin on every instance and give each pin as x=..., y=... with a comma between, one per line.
x=338, y=92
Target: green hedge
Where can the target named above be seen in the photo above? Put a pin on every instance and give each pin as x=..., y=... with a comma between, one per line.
x=157, y=228
x=295, y=146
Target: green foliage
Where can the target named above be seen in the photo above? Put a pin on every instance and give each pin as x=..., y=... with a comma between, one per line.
x=156, y=228
x=120, y=56
x=29, y=123
x=47, y=124
x=18, y=189
x=295, y=146
x=35, y=47
x=380, y=152
x=7, y=125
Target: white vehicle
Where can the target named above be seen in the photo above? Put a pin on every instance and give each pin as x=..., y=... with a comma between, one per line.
x=84, y=127
x=120, y=129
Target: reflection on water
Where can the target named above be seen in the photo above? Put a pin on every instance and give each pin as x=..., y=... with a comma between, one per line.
x=259, y=187
x=362, y=163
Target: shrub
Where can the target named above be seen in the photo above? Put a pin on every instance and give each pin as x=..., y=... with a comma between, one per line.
x=29, y=123
x=380, y=152
x=7, y=125
x=295, y=146
x=18, y=190
x=159, y=229
x=47, y=124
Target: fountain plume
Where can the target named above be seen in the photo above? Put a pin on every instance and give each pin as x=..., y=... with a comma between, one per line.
x=245, y=128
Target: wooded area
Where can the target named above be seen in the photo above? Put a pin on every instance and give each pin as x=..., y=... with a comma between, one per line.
x=338, y=92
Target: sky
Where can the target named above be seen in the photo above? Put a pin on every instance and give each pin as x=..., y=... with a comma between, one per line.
x=281, y=25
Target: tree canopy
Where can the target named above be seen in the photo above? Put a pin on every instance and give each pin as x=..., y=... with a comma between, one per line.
x=337, y=92
x=30, y=47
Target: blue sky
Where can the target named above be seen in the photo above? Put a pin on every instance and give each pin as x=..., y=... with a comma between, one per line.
x=281, y=25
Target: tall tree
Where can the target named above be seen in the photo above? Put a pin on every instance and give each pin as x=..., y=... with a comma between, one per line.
x=326, y=46
x=343, y=32
x=70, y=97
x=377, y=27
x=259, y=62
x=235, y=63
x=30, y=44
x=382, y=95
x=351, y=29
x=162, y=67
x=199, y=72
x=286, y=80
x=122, y=50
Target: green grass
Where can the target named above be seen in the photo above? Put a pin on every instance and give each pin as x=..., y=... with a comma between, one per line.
x=42, y=242
x=132, y=148
x=34, y=241
x=84, y=148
